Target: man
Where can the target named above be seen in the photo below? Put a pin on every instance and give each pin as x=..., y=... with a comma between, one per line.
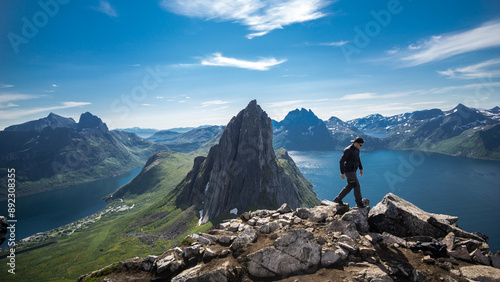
x=349, y=164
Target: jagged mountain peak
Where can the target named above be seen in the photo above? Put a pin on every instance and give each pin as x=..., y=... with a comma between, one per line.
x=242, y=171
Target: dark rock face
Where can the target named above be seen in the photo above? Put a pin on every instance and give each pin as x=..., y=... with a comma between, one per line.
x=241, y=171
x=52, y=121
x=88, y=121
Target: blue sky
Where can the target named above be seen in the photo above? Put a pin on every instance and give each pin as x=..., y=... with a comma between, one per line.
x=163, y=64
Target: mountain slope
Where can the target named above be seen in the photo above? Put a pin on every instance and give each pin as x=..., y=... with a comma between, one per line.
x=63, y=156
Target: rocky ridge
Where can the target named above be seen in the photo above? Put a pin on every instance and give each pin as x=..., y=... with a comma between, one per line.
x=324, y=243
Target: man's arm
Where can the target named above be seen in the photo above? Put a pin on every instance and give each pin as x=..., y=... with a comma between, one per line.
x=344, y=157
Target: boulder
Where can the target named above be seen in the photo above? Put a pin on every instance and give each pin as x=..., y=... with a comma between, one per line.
x=358, y=217
x=481, y=273
x=304, y=213
x=460, y=253
x=370, y=272
x=244, y=238
x=285, y=208
x=478, y=257
x=330, y=257
x=224, y=272
x=292, y=252
x=401, y=218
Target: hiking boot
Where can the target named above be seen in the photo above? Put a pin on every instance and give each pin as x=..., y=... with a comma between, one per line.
x=360, y=206
x=339, y=202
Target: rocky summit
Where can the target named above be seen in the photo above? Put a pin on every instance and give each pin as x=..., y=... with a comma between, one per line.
x=393, y=241
x=242, y=172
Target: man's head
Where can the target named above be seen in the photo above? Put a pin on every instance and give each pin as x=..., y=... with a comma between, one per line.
x=358, y=142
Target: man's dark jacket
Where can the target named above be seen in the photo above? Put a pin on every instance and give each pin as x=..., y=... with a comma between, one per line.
x=350, y=161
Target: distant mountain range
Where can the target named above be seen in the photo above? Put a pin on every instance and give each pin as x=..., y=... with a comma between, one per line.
x=55, y=152
x=190, y=140
x=461, y=131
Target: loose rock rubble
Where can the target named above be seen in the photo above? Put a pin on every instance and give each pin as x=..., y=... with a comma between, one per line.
x=324, y=243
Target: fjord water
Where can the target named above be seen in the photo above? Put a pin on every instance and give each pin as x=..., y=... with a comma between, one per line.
x=51, y=209
x=436, y=183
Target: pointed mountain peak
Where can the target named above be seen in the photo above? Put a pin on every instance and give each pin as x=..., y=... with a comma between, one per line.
x=89, y=121
x=241, y=171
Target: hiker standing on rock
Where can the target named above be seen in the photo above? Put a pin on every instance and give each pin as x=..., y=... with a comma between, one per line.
x=349, y=163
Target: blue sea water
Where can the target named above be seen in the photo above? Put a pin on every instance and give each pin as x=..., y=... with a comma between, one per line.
x=463, y=187
x=51, y=209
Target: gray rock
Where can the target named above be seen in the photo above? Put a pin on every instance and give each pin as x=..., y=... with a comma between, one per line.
x=481, y=273
x=304, y=213
x=329, y=257
x=234, y=227
x=348, y=246
x=401, y=218
x=478, y=257
x=428, y=260
x=209, y=254
x=264, y=229
x=327, y=203
x=367, y=252
x=222, y=273
x=205, y=241
x=358, y=217
x=460, y=253
x=211, y=237
x=192, y=251
x=449, y=241
x=225, y=240
x=245, y=216
x=292, y=252
x=390, y=239
x=172, y=263
x=244, y=238
x=495, y=259
x=351, y=231
x=285, y=208
x=370, y=272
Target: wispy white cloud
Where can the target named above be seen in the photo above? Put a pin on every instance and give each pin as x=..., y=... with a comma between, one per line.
x=9, y=97
x=261, y=16
x=369, y=95
x=480, y=70
x=214, y=103
x=17, y=113
x=335, y=43
x=216, y=59
x=2, y=85
x=427, y=103
x=105, y=7
x=440, y=47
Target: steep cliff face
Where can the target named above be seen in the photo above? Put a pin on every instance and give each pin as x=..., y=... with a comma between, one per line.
x=242, y=172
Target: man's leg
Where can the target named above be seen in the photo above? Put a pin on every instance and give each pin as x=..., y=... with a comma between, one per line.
x=357, y=194
x=351, y=183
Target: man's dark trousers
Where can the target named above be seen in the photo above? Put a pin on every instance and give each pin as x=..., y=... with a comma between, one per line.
x=352, y=182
